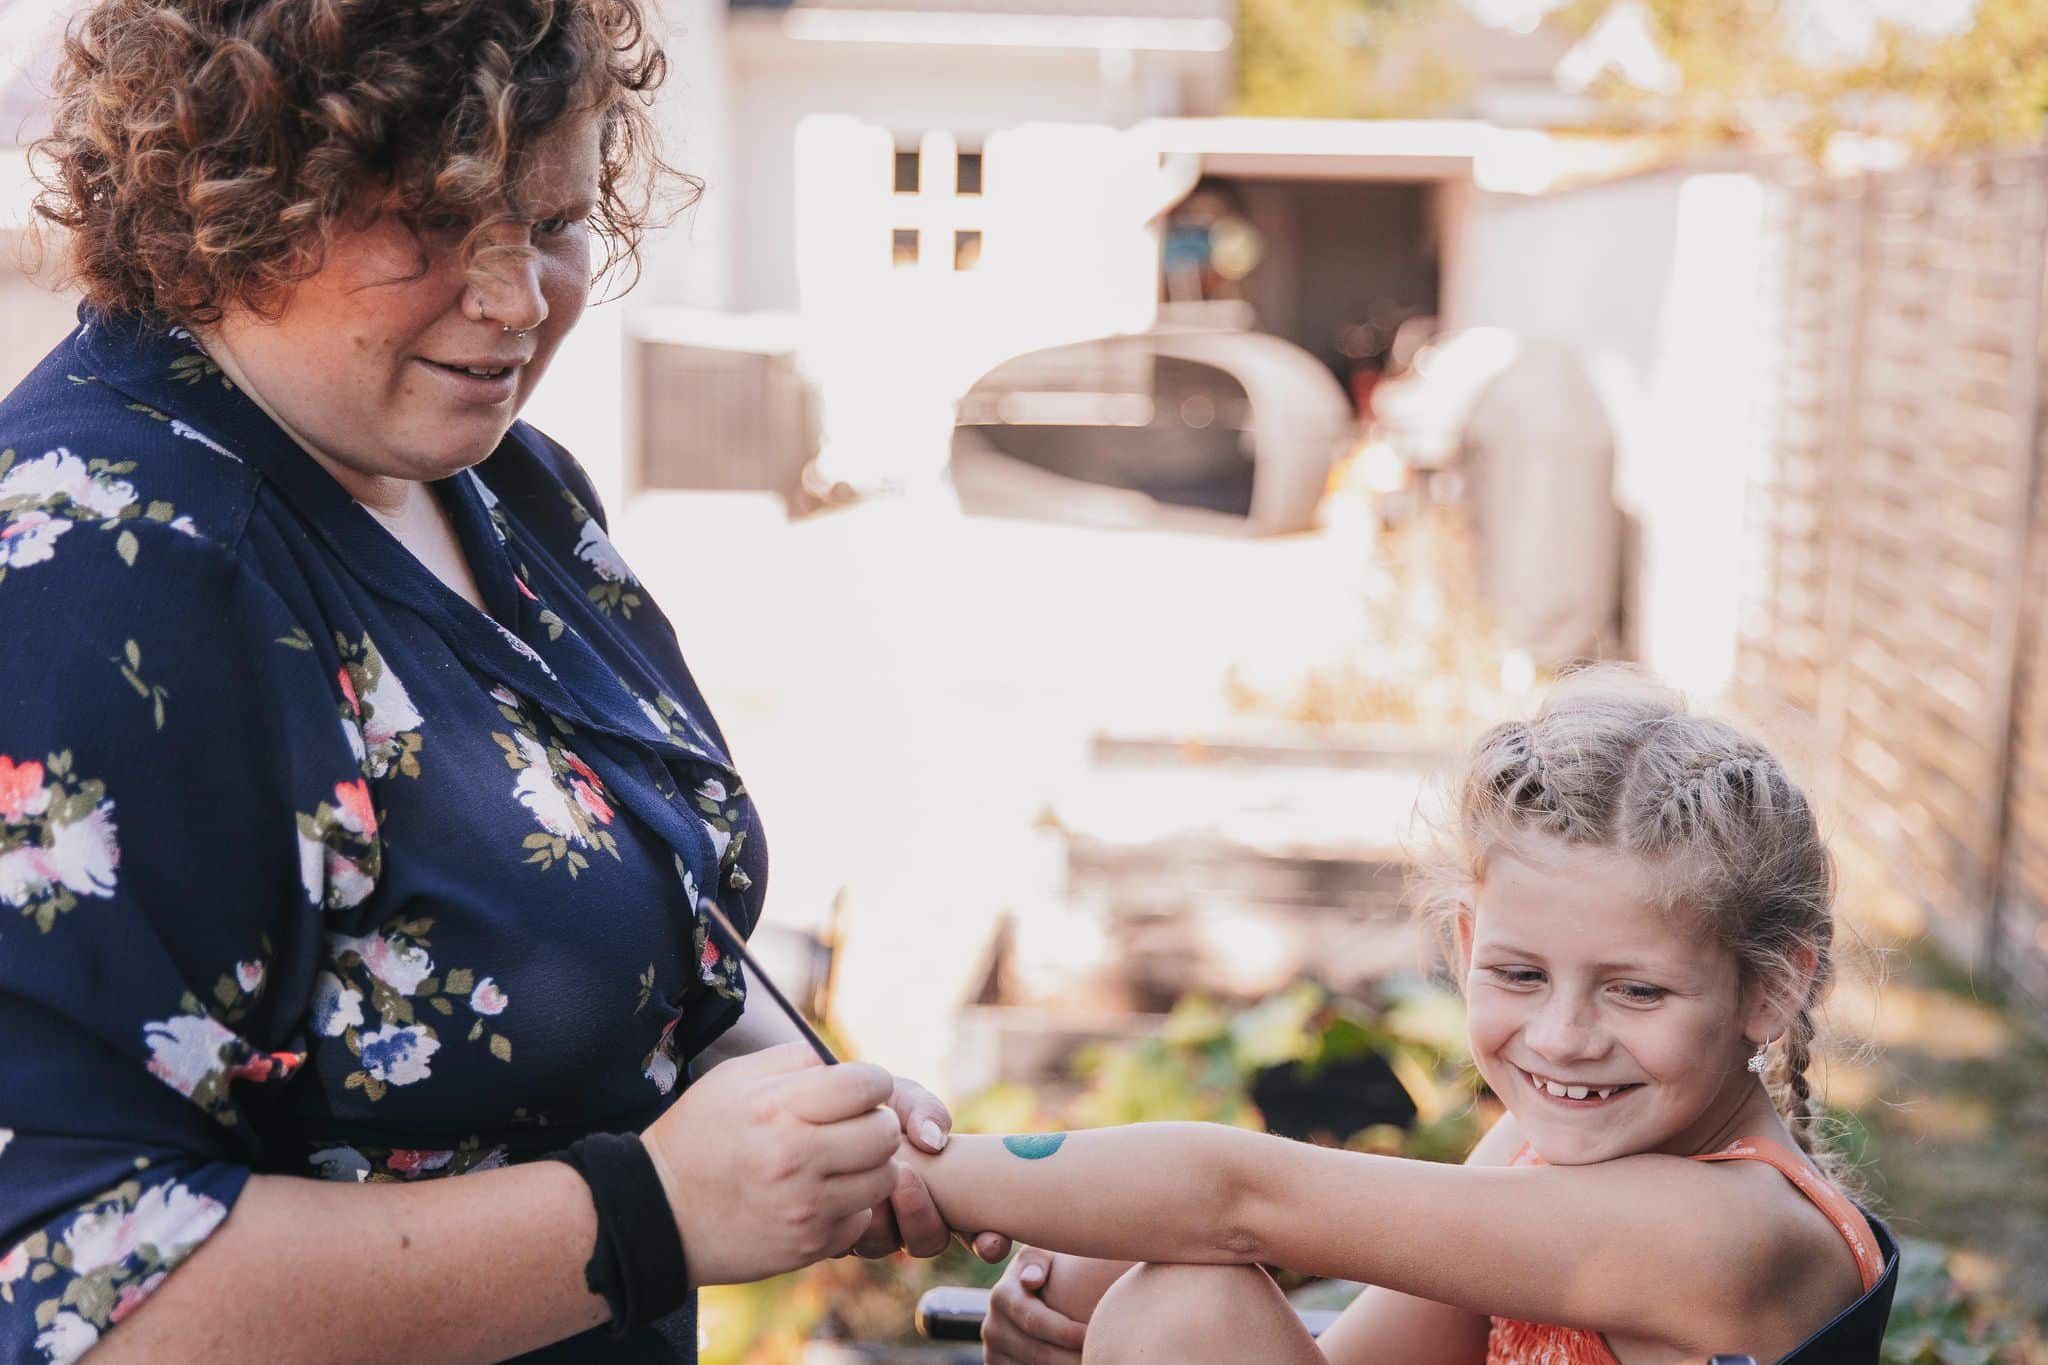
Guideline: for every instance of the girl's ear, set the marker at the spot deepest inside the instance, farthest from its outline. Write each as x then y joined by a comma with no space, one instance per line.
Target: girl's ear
1767,1014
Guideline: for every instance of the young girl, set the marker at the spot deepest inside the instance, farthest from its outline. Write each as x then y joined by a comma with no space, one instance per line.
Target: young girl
1640,905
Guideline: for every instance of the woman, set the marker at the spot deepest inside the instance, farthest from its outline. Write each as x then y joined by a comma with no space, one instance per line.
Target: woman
356,808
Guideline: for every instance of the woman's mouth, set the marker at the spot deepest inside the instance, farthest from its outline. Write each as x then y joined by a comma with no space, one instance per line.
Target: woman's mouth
1576,1094
477,383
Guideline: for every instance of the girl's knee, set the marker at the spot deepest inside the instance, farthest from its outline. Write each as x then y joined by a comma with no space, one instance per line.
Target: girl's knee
1185,1313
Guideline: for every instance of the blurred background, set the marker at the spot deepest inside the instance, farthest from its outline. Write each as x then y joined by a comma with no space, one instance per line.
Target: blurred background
1160,433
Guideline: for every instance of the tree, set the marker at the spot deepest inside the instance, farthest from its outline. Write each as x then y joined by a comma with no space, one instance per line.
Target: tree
1331,59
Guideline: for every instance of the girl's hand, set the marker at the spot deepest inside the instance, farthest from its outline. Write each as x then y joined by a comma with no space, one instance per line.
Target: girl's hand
1038,1313
773,1160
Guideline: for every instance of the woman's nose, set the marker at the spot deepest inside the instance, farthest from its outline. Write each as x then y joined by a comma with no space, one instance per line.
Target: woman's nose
506,283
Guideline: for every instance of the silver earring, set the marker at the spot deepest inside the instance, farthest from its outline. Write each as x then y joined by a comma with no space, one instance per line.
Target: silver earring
1757,1062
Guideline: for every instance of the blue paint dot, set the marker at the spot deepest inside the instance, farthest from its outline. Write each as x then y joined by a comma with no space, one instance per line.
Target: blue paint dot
1032,1146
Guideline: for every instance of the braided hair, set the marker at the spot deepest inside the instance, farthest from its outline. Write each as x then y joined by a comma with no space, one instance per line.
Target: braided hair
1612,761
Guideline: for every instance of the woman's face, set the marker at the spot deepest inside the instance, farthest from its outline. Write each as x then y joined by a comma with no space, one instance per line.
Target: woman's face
1576,980
369,363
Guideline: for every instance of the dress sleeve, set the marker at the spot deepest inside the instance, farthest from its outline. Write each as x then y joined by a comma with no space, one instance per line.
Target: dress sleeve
177,797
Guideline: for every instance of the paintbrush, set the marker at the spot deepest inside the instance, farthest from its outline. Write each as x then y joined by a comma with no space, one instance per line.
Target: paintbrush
767,983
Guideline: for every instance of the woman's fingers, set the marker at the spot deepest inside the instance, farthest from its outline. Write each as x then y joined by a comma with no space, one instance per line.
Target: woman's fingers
827,1094
839,1195
846,1232
926,1122
862,1143
918,1223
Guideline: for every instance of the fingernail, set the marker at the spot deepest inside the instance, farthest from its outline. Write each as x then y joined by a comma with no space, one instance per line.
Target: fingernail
933,1138
1032,1274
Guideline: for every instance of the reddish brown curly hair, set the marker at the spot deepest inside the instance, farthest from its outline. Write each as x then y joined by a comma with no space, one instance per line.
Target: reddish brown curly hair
202,152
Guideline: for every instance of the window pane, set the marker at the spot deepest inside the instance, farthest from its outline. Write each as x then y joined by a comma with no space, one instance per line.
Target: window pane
906,172
903,247
966,250
970,173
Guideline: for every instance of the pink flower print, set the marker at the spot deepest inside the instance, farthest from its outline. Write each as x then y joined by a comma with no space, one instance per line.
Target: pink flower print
358,816
579,767
593,805
30,538
348,690
487,998
249,976
264,1066
14,1264
132,1295
712,790
410,1161
22,792
524,591
711,958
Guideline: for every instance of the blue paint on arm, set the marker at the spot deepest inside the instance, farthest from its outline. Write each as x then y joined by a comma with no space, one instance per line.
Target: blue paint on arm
1033,1146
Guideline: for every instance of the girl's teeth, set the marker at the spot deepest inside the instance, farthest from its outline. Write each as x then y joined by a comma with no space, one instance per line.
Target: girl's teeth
1575,1092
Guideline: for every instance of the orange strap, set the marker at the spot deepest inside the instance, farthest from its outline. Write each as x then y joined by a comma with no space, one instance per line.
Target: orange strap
1847,1218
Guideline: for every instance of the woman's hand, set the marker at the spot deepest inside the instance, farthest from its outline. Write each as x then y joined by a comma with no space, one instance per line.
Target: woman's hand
1039,1311
773,1160
908,1219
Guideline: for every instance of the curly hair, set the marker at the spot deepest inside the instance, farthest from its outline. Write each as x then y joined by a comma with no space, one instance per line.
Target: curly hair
203,152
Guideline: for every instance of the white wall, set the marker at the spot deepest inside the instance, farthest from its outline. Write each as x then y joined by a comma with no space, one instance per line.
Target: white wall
1656,280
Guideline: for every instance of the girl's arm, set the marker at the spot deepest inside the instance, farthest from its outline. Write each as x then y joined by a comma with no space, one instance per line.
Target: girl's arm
1648,1245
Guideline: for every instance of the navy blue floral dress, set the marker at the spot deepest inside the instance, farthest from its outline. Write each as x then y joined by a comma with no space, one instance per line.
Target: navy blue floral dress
307,866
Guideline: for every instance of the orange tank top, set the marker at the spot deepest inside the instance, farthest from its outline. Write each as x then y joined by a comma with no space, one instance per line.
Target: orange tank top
1511,1342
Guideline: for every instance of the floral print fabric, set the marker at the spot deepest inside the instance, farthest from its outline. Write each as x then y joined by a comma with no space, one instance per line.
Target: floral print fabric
306,865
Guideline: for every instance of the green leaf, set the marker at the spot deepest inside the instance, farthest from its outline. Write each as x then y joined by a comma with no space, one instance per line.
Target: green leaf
501,1047
160,511
159,708
46,1313
133,652
461,981
125,546
537,840
440,1002
226,991
141,687
43,1271
476,1030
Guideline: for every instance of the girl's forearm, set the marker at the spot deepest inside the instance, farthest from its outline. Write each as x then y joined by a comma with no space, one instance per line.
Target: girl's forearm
1149,1191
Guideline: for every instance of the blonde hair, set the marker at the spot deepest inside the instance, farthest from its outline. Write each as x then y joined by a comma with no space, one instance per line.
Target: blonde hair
1612,761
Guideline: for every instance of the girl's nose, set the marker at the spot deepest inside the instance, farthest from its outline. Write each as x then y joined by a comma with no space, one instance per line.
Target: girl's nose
1564,1030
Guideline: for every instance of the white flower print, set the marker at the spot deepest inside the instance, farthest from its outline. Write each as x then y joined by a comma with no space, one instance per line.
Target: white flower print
68,1337
184,1050
387,713
595,548
24,875
487,998
398,1056
30,537
337,1007
60,473
353,733
312,864
712,790
347,884
654,717
540,793
401,966
249,976
84,853
524,649
184,526
661,1069
167,1217
194,434
6,1137
719,839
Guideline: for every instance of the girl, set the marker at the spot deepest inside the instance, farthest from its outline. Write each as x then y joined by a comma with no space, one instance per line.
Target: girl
1640,905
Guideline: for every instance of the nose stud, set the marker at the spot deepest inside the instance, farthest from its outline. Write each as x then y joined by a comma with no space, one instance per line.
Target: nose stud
521,333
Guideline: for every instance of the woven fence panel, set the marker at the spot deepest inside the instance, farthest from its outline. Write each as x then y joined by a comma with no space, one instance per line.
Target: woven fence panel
1900,513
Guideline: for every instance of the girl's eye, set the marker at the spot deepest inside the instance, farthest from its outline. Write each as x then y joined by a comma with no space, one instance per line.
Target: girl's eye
1516,976
553,227
1638,994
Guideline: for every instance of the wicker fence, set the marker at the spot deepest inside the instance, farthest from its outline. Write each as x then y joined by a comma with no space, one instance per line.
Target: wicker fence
1903,532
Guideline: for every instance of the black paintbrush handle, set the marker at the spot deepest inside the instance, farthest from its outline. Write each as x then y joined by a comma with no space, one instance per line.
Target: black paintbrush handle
767,983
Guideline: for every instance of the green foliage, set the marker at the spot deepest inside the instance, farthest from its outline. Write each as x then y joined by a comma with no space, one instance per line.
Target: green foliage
1338,59
1984,86
1935,1322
